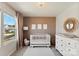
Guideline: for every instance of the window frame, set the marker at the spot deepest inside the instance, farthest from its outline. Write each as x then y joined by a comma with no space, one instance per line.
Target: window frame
2,28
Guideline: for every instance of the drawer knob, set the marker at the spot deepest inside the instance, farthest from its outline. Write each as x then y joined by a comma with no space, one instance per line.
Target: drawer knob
62,50
61,44
61,40
68,43
69,49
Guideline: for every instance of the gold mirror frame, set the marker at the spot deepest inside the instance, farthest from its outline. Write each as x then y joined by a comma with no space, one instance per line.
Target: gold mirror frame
70,21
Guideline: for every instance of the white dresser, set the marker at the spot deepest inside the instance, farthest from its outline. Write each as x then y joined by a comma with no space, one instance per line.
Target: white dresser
67,46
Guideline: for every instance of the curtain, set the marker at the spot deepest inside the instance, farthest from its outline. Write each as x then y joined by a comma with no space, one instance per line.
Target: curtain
19,30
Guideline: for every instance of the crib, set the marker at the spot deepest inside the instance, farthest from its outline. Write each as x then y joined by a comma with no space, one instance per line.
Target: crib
40,40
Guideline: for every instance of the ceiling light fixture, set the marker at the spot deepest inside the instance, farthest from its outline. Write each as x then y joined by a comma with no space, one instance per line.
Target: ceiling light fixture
41,5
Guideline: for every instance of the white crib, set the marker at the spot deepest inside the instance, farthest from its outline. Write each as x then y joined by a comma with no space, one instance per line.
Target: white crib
40,40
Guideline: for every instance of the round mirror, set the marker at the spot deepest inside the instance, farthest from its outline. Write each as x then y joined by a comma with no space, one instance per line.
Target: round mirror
70,25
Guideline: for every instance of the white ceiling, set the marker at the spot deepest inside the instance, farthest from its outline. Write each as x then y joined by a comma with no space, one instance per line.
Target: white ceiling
29,8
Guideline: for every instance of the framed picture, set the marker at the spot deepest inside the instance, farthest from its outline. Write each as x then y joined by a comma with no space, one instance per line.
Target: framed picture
39,26
33,26
25,28
45,26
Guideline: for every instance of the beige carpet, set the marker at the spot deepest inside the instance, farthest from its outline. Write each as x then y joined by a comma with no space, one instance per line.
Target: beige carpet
38,51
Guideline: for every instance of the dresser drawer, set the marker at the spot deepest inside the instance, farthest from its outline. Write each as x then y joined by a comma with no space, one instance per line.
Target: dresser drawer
72,52
71,43
67,46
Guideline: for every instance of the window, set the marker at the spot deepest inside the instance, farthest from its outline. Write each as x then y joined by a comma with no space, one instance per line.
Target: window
9,24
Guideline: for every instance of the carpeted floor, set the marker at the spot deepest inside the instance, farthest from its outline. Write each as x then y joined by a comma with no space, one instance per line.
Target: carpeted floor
37,51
